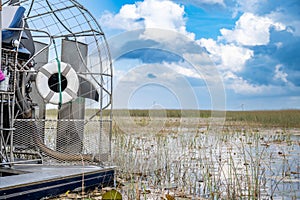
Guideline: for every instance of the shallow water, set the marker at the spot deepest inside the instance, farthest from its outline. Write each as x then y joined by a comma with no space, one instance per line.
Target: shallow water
194,161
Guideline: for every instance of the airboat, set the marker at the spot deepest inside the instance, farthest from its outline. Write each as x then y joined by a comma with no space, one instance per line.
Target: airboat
55,99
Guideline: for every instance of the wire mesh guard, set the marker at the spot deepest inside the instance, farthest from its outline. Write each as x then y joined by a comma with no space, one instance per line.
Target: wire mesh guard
62,141
54,130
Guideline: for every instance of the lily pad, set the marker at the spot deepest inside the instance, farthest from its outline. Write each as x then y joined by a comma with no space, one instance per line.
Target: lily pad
112,195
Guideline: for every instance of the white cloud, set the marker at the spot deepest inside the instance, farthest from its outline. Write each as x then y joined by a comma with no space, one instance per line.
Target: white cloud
278,44
184,69
281,13
229,52
201,2
241,86
292,23
163,14
280,74
172,39
227,56
124,20
252,6
251,30
181,69
221,2
231,59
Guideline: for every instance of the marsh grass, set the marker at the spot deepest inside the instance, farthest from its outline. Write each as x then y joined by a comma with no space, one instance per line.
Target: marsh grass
274,118
254,155
268,118
188,160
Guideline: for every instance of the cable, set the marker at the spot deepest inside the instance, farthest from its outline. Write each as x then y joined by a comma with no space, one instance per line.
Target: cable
59,76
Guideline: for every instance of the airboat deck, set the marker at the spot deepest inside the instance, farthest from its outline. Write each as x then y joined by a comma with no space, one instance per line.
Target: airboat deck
40,181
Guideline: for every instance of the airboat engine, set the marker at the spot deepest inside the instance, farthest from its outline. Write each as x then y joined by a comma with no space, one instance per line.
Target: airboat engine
58,81
68,92
55,84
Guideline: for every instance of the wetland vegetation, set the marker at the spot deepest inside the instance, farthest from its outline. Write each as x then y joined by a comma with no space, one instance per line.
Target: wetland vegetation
170,155
250,155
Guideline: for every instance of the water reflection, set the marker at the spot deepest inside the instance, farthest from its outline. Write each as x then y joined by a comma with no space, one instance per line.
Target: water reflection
194,162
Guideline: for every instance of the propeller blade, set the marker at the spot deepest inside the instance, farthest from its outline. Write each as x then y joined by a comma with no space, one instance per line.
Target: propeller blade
87,89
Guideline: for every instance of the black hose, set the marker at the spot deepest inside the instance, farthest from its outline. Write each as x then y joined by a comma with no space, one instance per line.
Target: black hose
27,114
25,108
58,155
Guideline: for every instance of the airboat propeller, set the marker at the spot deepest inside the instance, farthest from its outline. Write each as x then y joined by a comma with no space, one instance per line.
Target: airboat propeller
54,53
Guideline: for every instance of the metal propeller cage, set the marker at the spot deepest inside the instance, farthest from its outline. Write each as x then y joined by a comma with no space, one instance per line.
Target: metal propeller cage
34,130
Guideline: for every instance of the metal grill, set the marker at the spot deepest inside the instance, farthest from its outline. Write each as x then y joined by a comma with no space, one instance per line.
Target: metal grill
63,141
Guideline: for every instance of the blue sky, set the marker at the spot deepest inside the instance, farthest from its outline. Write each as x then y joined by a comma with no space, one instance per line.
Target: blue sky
207,54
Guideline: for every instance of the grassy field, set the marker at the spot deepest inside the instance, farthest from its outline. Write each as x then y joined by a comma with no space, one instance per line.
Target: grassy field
255,155
268,118
275,118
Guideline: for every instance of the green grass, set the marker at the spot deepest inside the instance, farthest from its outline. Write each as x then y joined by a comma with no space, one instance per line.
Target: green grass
269,118
274,118
169,113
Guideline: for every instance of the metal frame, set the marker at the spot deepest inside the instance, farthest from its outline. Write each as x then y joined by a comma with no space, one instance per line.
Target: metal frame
9,99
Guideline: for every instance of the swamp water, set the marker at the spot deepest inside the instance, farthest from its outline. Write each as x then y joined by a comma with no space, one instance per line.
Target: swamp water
188,160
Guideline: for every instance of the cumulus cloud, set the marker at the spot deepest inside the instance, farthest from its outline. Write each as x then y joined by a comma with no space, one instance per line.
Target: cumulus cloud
181,69
126,19
227,56
221,2
285,17
284,12
251,30
241,86
252,6
201,2
280,74
146,14
234,51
